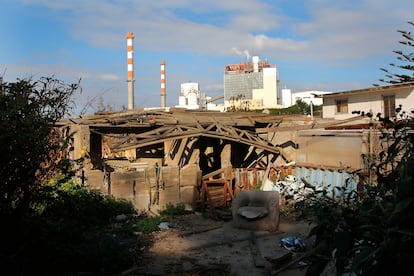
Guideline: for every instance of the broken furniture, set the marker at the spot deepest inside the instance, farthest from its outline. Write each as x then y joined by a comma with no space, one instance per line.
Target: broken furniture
256,210
213,200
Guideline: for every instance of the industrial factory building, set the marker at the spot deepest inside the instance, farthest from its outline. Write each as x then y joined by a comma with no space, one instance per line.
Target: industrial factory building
191,97
247,86
250,85
311,97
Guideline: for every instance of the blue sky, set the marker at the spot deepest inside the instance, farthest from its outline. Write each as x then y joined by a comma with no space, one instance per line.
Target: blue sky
329,45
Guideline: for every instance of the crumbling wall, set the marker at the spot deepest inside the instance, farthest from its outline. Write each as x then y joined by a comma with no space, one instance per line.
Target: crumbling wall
331,148
175,186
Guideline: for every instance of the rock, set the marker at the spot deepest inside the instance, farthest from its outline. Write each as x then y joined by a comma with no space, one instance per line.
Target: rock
121,218
164,226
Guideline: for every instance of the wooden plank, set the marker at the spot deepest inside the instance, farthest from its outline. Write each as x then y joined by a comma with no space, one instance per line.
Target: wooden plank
259,260
216,172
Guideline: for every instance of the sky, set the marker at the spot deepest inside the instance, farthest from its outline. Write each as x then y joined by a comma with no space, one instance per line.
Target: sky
324,45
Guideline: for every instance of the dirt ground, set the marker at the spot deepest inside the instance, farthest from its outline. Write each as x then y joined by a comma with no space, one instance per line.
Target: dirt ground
195,245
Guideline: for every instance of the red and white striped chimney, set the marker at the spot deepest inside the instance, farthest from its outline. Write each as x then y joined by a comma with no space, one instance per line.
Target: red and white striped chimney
130,55
163,88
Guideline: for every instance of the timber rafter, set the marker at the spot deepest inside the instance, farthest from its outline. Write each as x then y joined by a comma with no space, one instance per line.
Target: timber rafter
212,130
134,129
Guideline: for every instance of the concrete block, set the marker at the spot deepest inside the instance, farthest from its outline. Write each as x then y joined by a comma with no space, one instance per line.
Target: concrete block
95,180
189,196
169,195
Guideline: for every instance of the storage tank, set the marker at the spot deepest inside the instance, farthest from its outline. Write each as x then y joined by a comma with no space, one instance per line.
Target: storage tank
188,86
181,101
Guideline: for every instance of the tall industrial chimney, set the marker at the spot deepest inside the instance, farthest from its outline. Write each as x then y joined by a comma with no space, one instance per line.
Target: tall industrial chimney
255,60
163,88
130,47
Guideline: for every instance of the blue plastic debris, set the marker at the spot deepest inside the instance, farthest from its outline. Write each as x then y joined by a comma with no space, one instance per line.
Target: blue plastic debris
293,243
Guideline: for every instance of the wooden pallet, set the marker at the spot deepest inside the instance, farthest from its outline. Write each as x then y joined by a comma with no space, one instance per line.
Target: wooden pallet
215,193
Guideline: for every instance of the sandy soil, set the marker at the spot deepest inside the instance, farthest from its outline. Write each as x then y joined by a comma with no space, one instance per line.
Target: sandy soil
194,245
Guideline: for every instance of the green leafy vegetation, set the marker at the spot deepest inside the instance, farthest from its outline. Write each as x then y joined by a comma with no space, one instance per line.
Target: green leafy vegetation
149,224
172,210
50,224
300,107
70,226
29,145
405,70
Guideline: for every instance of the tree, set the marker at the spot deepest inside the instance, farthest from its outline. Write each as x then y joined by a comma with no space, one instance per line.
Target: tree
29,143
407,60
51,225
302,106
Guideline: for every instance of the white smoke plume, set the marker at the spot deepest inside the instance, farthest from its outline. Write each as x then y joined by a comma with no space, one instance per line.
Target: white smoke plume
241,53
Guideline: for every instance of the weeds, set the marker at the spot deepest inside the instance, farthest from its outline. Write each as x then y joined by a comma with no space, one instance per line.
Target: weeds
174,211
149,224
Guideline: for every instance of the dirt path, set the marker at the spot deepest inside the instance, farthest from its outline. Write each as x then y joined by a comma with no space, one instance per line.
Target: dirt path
194,245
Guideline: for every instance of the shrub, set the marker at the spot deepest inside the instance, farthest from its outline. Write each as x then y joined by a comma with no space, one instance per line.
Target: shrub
172,210
149,224
68,231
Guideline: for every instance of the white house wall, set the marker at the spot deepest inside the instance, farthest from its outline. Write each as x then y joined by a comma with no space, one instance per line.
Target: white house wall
367,102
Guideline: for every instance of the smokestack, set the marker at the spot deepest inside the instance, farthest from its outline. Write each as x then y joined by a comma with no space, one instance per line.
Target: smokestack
163,100
255,63
130,55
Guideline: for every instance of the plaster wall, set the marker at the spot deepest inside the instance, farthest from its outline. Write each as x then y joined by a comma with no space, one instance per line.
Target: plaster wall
367,102
331,150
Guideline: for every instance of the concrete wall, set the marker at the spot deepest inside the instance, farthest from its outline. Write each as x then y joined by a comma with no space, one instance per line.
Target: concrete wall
81,141
139,187
331,148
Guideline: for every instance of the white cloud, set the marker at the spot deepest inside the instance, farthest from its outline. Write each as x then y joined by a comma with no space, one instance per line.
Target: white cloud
110,77
320,32
334,29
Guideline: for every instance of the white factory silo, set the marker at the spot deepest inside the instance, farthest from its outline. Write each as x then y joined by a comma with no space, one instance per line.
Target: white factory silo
189,95
192,98
182,100
286,97
188,87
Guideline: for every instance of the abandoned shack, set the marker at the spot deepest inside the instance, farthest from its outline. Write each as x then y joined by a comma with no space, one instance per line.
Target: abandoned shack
203,159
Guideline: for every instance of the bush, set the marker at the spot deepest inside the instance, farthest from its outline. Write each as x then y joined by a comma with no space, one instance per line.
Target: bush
149,224
59,227
172,210
68,231
31,149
